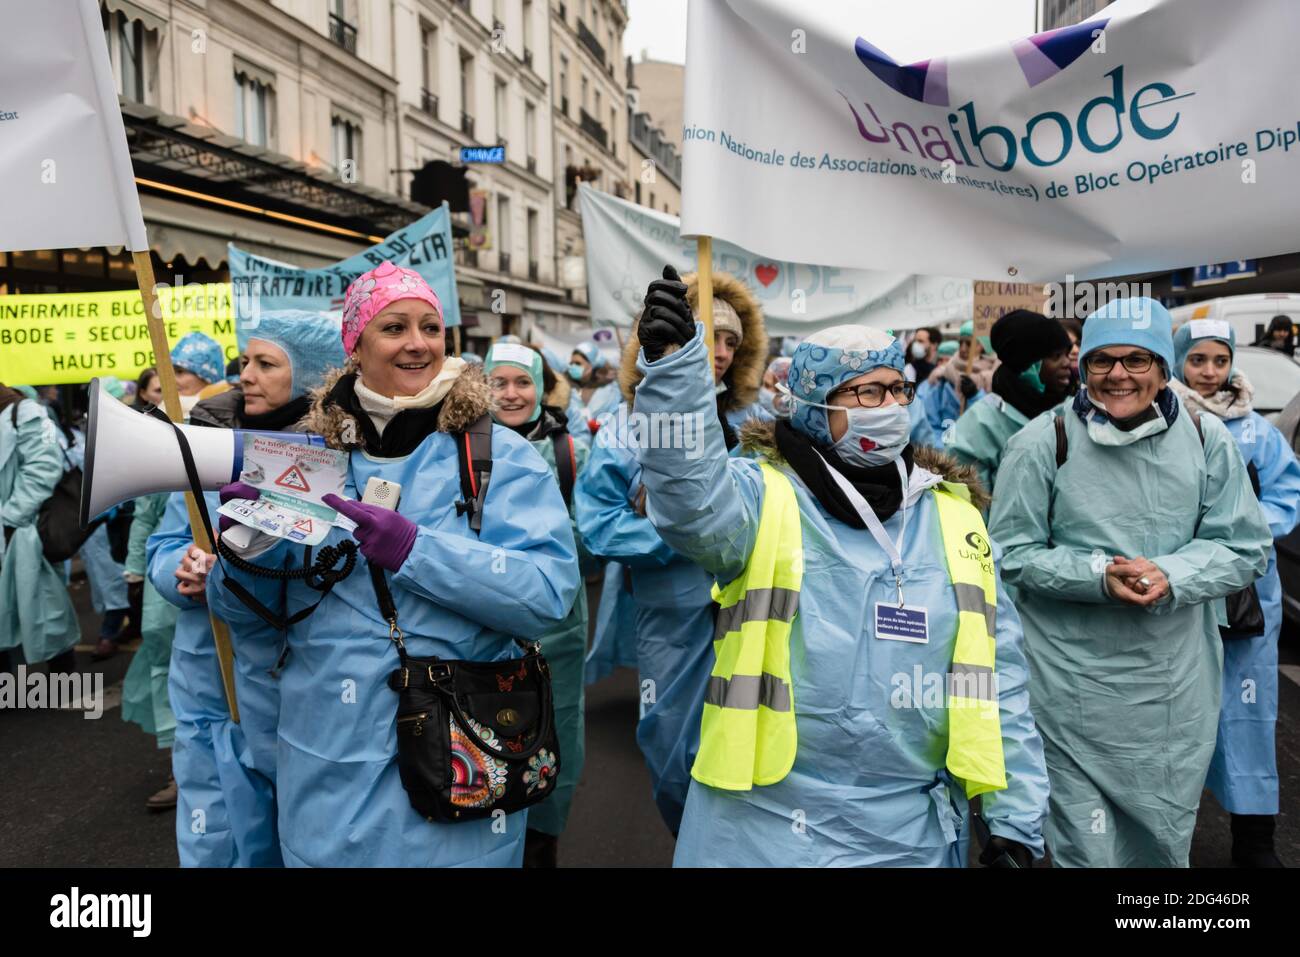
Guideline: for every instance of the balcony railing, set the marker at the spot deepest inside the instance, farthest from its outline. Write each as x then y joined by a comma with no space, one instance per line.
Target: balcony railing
466,124
429,103
532,269
343,33
588,39
593,128
532,164
466,256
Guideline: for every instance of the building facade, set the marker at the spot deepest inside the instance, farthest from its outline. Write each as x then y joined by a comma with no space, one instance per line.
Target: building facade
654,155
1053,14
589,100
294,128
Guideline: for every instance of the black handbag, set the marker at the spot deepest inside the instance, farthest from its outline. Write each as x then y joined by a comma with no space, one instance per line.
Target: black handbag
473,737
58,523
1245,614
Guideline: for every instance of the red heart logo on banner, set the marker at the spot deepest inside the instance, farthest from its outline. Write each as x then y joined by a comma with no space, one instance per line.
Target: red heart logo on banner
766,273
867,444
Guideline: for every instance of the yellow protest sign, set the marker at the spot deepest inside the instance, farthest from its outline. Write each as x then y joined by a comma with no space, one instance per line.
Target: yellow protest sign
64,338
993,300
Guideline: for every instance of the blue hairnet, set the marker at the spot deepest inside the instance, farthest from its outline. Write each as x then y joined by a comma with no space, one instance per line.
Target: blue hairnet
825,361
200,355
1197,331
310,340
1138,321
591,352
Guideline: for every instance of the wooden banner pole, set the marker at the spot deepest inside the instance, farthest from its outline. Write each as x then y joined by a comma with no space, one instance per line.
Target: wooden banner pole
704,272
172,406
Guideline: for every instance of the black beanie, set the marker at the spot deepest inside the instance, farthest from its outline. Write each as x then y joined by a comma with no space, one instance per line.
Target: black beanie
1021,338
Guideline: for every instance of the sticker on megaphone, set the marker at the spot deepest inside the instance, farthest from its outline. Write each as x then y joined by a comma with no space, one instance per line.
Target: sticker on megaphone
292,479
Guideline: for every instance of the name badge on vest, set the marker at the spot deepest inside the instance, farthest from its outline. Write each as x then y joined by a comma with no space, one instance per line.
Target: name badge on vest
908,623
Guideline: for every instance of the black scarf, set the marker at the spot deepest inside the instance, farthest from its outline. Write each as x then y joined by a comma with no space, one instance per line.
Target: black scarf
1021,396
553,419
878,484
282,419
404,432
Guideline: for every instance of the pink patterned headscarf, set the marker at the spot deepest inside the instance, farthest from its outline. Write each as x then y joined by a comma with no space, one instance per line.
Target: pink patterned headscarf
371,292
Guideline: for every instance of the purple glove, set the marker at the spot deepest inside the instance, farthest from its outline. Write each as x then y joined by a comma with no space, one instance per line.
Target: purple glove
234,490
386,538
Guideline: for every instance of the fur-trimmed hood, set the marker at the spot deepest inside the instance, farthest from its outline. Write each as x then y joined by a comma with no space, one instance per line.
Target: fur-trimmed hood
745,376
759,437
469,398
559,396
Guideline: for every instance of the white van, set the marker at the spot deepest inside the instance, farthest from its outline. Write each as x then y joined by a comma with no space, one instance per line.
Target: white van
1249,316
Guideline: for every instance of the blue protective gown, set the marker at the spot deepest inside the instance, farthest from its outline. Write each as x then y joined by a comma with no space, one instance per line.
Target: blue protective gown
613,645
605,399
1126,697
922,433
225,811
106,577
36,612
458,596
674,618
869,784
942,404
1243,771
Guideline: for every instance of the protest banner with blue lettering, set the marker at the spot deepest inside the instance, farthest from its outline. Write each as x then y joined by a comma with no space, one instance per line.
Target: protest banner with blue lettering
259,283
629,245
1155,135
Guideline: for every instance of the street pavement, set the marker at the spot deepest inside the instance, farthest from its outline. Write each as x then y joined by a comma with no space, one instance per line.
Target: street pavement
73,790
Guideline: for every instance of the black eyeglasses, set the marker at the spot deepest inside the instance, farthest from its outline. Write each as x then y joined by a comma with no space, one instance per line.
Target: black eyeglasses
869,395
1099,363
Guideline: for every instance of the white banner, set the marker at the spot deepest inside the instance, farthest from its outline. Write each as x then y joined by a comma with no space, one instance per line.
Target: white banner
65,171
1158,134
629,245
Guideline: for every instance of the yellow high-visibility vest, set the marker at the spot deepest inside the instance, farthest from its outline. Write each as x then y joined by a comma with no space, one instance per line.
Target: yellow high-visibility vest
748,733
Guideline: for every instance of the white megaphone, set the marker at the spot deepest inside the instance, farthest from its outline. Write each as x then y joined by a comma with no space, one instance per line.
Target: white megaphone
129,454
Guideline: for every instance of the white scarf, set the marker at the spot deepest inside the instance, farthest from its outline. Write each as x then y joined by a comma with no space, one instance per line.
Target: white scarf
382,408
1226,404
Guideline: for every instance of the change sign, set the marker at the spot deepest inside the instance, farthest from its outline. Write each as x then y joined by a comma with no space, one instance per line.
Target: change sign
73,337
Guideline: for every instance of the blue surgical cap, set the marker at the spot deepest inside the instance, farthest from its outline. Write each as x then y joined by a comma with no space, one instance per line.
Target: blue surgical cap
825,361
200,355
1138,321
1197,331
310,339
591,352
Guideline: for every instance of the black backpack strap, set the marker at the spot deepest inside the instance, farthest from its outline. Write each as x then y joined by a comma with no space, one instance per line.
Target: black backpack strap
1062,443
474,450
566,465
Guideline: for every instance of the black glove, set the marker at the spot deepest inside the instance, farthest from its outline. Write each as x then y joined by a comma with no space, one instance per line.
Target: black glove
968,388
666,319
1000,852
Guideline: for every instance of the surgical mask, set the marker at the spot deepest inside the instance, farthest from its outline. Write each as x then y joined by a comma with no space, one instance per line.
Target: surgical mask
1031,377
1103,431
874,436
575,372
918,350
